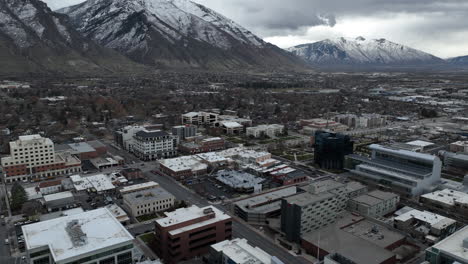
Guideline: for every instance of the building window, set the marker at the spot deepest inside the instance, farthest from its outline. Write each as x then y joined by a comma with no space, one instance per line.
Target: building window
110,260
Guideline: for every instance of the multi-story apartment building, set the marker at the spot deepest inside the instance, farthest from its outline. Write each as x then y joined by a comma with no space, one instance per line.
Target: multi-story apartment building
91,237
147,202
200,118
124,136
189,232
361,121
185,131
33,157
265,130
312,210
152,145
406,172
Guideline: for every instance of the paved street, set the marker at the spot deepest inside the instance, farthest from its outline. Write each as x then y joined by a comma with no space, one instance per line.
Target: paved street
240,229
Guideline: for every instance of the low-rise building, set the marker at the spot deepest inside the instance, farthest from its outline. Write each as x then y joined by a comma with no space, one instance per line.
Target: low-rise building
239,251
189,232
453,249
148,201
59,200
425,225
459,146
132,173
183,167
203,145
354,239
200,118
91,237
374,204
265,130
138,187
118,213
240,181
98,183
50,187
231,127
258,208
449,200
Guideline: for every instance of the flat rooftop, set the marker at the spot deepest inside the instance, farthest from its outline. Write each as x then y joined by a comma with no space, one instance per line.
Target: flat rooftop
448,197
145,196
136,187
101,228
306,198
453,245
182,215
184,163
266,202
58,196
361,242
426,217
239,251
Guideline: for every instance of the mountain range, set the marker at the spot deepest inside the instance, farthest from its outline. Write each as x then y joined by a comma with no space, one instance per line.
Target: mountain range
108,36
361,51
35,39
174,33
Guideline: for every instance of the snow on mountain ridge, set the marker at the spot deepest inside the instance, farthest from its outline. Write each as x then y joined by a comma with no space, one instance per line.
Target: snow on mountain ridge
360,51
175,19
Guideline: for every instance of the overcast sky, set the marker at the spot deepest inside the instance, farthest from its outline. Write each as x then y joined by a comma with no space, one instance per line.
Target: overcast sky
439,27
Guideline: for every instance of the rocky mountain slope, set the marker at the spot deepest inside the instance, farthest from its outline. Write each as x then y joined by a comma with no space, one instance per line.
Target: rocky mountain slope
35,39
174,33
361,51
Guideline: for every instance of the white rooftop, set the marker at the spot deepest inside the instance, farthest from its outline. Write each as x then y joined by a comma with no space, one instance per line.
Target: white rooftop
182,215
184,163
29,137
99,182
231,124
58,196
101,228
239,251
453,245
420,143
448,197
137,187
424,216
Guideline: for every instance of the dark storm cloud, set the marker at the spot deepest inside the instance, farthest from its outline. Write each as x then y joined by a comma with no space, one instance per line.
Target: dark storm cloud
271,17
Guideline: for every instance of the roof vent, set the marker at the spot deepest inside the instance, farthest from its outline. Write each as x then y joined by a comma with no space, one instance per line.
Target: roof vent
76,234
465,243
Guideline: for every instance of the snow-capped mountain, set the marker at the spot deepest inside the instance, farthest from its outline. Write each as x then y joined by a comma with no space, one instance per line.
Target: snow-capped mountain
33,38
361,51
460,61
172,32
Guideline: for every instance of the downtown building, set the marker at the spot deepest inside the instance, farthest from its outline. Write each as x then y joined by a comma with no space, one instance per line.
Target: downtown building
405,172
185,131
92,237
152,145
33,157
189,232
330,149
239,251
311,210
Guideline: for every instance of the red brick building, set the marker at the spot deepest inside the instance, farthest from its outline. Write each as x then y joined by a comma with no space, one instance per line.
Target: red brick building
189,232
202,146
132,173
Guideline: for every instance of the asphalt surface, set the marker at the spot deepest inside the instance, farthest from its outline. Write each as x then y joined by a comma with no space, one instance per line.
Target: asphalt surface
240,229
